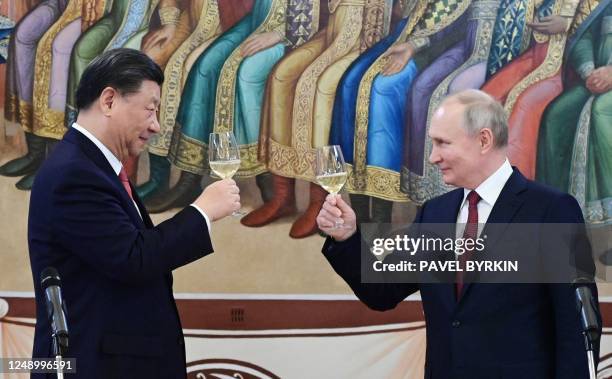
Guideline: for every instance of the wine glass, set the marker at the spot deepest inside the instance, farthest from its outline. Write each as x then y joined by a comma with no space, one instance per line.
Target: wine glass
224,157
330,171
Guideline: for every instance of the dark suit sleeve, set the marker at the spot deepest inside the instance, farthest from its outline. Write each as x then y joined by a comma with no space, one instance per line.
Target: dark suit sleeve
571,359
351,257
89,221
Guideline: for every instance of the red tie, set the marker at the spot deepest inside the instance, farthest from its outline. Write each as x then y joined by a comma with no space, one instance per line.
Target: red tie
471,231
125,181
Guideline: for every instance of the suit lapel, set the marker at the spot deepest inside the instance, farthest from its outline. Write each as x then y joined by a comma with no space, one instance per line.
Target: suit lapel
503,212
506,206
449,219
143,211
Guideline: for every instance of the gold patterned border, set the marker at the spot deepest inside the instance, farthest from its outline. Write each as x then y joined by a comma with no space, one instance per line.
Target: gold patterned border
379,182
93,10
11,107
24,115
316,16
585,7
530,8
598,211
226,87
206,31
191,155
375,25
305,93
55,120
289,162
187,153
580,153
47,122
419,189
549,67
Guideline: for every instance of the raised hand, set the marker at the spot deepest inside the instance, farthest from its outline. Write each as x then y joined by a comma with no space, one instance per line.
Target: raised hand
219,199
335,208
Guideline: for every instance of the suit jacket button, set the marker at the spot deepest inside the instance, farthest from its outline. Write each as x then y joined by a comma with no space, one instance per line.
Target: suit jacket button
456,324
181,341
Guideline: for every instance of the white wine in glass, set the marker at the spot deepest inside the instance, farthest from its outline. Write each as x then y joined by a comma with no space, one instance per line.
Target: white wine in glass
330,171
224,157
332,183
225,169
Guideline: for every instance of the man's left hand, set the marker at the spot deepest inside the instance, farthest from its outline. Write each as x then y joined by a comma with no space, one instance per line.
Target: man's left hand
550,25
259,42
160,37
398,57
600,80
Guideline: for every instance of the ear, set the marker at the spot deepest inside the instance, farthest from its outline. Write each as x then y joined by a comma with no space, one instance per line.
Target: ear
107,100
485,138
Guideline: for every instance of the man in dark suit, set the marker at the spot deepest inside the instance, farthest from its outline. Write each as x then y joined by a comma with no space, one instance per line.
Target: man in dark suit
87,222
478,330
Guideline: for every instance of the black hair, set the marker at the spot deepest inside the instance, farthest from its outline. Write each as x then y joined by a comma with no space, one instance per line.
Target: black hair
122,69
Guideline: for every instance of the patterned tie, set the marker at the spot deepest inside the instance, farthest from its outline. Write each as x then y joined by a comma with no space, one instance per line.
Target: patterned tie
471,231
125,181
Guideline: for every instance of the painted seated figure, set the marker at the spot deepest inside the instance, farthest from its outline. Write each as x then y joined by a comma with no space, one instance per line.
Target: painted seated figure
224,92
370,108
20,82
204,20
575,139
297,112
530,82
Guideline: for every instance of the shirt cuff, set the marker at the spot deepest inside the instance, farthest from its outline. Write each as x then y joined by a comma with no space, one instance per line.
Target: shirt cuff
203,215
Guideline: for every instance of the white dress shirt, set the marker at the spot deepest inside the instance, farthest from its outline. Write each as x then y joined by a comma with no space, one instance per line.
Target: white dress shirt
488,191
117,165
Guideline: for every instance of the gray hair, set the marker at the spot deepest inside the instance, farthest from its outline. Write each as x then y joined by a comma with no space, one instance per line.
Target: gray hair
483,111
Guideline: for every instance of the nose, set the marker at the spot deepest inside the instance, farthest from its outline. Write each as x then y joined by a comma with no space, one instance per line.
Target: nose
434,157
155,128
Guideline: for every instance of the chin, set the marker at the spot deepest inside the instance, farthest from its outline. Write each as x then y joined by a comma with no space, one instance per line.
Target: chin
448,180
135,152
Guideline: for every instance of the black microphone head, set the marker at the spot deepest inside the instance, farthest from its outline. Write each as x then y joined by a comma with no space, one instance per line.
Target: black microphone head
587,308
49,277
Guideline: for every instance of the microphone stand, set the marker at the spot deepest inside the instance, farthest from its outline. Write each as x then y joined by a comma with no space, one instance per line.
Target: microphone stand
589,350
588,311
60,345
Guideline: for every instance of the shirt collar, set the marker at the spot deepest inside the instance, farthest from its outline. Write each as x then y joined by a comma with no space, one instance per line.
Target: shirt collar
490,189
110,157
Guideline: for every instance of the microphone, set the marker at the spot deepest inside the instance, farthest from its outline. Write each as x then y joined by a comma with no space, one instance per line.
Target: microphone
56,309
585,304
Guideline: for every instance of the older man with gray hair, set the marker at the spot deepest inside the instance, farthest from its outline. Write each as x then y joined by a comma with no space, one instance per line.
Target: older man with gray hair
478,330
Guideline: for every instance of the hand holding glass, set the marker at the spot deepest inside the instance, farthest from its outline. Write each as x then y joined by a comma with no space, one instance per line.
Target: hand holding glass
330,171
224,157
